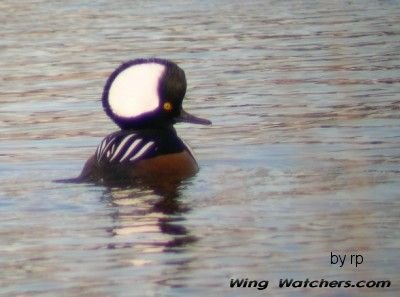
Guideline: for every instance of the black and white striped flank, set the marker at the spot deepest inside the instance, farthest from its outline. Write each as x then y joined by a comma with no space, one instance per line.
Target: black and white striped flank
117,148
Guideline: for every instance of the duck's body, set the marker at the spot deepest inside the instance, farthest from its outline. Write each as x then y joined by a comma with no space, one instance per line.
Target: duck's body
147,154
144,98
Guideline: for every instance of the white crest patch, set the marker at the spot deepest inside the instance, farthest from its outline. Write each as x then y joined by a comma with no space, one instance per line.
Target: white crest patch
135,90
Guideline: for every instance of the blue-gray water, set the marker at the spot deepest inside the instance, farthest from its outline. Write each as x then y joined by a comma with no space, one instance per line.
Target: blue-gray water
302,159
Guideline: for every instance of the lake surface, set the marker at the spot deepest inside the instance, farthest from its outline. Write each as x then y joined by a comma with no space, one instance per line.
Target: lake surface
302,158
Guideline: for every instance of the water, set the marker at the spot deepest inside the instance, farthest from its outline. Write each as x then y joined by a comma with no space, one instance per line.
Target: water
302,159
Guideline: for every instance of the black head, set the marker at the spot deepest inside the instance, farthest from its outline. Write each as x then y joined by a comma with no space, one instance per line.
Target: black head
147,93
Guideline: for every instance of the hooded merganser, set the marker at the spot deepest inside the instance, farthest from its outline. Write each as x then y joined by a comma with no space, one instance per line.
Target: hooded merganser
144,98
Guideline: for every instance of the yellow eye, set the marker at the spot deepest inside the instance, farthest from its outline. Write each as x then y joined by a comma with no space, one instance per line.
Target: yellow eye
167,106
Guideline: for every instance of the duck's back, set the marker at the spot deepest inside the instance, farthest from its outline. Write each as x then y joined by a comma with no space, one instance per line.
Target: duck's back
148,154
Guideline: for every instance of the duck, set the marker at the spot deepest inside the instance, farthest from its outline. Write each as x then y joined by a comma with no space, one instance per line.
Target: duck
143,97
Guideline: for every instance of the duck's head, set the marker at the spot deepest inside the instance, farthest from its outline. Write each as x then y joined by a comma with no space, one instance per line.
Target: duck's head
147,93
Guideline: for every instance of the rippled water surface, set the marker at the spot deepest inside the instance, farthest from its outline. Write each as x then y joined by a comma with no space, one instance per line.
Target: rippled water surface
302,159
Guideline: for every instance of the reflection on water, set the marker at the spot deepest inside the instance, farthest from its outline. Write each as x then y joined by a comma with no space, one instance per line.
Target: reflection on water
148,212
302,158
